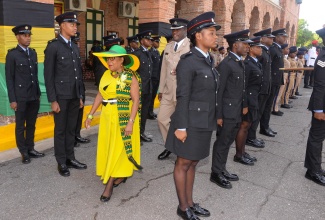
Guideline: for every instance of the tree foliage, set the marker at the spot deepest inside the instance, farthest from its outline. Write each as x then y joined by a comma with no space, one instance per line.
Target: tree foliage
305,36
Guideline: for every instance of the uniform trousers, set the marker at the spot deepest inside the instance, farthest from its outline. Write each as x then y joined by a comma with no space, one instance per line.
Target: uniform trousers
309,78
166,109
145,103
288,89
65,128
262,99
315,140
79,120
297,82
226,136
155,85
265,119
26,116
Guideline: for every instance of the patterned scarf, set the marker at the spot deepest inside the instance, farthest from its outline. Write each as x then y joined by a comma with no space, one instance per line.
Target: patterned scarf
123,88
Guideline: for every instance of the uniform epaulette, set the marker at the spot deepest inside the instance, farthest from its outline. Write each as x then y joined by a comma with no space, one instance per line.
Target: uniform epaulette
186,54
11,49
32,49
53,40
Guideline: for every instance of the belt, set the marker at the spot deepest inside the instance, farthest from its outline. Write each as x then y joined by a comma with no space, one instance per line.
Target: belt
110,101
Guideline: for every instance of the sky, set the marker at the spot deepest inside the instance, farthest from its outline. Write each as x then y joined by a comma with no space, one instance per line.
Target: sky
313,12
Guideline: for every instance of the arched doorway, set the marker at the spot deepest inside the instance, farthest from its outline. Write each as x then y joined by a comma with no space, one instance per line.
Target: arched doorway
238,16
254,21
266,21
276,24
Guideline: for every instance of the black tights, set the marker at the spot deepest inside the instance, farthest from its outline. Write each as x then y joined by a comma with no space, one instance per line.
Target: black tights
241,138
108,191
184,175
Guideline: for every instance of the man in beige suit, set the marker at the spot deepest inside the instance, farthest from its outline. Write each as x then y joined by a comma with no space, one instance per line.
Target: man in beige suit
167,85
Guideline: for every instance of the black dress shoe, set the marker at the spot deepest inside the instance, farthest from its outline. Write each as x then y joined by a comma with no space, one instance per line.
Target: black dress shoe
285,106
145,138
76,144
278,113
63,170
270,129
35,154
293,97
82,140
290,101
220,180
254,143
123,181
261,140
250,157
243,160
76,164
308,87
230,176
198,210
188,214
316,177
267,132
104,198
298,94
25,159
165,154
152,116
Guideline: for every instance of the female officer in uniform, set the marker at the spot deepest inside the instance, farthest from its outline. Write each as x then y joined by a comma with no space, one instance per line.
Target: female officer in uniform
194,118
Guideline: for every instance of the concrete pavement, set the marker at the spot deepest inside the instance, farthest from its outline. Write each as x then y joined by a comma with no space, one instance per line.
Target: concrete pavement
275,188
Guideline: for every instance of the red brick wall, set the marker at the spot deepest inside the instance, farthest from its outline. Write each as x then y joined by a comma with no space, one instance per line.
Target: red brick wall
156,10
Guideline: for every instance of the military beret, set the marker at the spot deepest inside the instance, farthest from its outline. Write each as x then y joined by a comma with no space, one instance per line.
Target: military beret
144,34
241,36
202,21
156,38
264,33
314,42
302,49
280,32
111,42
22,29
132,39
109,37
256,41
67,17
300,52
293,49
284,46
178,23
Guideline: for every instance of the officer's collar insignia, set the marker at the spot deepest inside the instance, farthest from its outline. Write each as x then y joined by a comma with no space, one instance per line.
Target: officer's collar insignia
26,27
321,63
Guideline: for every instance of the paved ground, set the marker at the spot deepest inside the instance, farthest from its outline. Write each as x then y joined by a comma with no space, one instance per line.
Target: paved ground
275,188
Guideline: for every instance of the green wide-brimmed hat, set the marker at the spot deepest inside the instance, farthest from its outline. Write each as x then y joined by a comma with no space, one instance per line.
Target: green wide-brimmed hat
130,61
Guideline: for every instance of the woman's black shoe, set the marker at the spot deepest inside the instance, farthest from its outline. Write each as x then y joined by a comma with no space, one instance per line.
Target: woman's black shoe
104,198
164,155
123,181
243,160
188,214
250,157
198,210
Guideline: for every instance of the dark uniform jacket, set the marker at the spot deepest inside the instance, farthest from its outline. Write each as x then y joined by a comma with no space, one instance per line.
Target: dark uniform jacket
22,75
317,98
145,69
277,62
155,57
197,82
231,92
265,60
253,81
62,70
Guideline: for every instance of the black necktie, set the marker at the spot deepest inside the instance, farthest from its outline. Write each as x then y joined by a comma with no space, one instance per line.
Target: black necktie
69,43
26,51
175,48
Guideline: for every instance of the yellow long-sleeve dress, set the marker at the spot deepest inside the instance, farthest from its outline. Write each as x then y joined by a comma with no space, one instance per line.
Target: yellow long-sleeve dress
112,160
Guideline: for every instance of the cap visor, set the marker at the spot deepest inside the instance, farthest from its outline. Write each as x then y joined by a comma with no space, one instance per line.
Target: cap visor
175,28
247,41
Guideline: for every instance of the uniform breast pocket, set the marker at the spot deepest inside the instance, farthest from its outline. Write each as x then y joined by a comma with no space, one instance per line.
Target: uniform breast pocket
22,66
231,108
64,59
20,89
205,79
199,114
62,85
252,99
238,79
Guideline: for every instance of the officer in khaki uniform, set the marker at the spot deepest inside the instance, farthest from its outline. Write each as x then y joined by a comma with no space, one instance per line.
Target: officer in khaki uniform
23,91
167,85
300,64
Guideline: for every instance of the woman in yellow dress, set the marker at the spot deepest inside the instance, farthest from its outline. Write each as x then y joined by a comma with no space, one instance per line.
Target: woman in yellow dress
118,150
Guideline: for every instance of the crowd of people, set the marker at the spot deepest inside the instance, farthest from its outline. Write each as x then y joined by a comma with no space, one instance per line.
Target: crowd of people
201,88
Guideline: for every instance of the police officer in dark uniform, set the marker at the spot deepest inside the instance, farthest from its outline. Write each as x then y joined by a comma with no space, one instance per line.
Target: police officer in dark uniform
23,91
78,139
64,87
194,119
133,44
231,105
313,159
155,56
145,71
277,80
265,60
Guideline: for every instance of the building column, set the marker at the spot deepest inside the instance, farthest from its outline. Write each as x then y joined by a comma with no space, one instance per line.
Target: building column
189,9
156,10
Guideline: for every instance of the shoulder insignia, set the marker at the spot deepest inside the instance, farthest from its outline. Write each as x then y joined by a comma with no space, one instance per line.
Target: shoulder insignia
53,40
186,54
321,63
32,49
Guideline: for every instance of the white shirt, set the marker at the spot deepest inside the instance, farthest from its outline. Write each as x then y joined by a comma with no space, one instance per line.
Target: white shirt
179,43
312,55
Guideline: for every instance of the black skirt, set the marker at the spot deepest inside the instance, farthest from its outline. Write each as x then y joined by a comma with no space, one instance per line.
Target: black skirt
251,116
195,147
